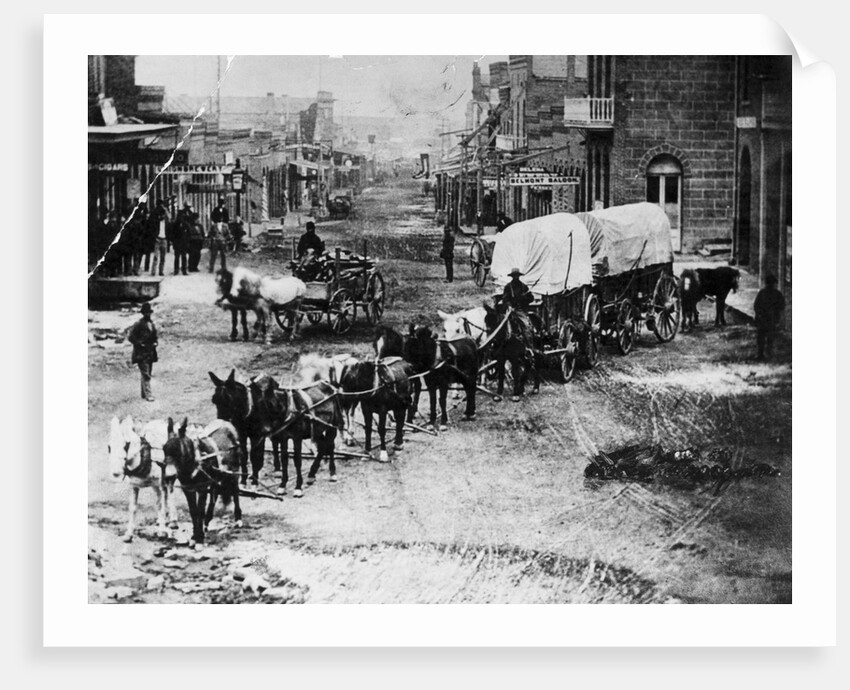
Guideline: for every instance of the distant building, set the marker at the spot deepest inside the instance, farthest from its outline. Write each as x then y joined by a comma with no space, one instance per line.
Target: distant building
707,138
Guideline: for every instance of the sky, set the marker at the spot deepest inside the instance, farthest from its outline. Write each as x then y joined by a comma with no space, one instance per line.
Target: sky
363,85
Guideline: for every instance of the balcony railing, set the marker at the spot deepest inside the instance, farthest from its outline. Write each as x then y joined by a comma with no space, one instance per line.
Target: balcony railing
509,143
589,112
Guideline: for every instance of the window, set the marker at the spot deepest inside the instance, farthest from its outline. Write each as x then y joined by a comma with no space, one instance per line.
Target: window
581,67
664,188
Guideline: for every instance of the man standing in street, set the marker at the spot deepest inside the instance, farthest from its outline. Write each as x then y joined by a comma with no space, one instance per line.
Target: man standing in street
144,339
194,235
447,253
768,308
219,232
160,230
179,238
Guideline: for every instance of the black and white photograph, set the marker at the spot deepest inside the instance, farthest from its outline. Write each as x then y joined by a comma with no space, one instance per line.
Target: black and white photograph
434,328
429,329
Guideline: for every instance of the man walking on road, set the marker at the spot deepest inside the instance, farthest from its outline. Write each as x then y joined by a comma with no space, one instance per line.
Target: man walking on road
768,308
219,232
143,336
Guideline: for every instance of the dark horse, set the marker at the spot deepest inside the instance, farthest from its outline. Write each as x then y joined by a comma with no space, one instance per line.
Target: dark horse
233,404
387,342
298,414
512,339
441,363
696,284
208,466
239,307
380,386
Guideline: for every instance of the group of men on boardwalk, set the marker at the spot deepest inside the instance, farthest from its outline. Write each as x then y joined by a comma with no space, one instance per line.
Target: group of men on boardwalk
144,243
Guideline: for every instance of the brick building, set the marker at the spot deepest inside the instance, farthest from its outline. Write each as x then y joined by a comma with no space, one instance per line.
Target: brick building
762,230
707,138
661,128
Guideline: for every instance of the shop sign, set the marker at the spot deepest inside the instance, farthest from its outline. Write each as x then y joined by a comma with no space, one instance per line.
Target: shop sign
541,180
110,167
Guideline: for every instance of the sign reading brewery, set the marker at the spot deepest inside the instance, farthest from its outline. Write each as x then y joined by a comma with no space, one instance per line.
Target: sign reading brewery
540,179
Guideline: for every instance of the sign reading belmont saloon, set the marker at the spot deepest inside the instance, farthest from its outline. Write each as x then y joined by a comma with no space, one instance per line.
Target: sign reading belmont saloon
541,179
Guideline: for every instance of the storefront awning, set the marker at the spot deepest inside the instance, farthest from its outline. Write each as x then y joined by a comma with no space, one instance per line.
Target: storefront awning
116,134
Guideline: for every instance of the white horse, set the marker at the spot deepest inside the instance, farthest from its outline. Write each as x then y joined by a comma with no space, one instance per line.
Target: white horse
243,286
136,456
313,368
465,324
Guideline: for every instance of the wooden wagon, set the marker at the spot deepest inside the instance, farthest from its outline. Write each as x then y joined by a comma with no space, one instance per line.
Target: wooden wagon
632,254
349,282
553,253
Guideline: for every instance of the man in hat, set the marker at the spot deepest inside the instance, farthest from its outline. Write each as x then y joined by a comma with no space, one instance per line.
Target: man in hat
309,240
194,232
768,308
516,293
179,235
447,250
219,233
159,224
144,339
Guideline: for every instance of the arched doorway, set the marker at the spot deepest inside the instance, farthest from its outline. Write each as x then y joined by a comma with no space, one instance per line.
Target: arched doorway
745,187
664,188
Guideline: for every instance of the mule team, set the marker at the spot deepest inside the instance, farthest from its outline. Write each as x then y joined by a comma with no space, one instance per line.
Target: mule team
211,461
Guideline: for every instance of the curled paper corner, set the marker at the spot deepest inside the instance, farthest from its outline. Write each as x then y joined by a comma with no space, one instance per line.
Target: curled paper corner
787,43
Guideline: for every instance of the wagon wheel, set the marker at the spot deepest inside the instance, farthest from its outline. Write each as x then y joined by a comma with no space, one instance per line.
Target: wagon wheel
568,341
342,310
284,320
593,319
478,262
666,308
627,317
374,302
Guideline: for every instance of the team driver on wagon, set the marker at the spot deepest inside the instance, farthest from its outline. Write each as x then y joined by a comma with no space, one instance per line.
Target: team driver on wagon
518,296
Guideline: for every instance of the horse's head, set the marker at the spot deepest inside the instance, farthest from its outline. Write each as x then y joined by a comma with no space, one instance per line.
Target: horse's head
452,325
420,347
736,277
223,281
267,404
124,447
230,397
179,451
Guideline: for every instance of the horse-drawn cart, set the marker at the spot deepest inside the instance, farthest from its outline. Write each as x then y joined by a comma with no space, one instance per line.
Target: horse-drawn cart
553,253
349,281
480,258
632,254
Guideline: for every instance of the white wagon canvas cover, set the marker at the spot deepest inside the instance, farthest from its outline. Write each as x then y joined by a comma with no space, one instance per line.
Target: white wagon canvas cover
629,237
552,251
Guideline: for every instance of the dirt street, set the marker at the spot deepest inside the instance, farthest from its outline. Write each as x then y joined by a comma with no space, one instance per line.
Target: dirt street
495,510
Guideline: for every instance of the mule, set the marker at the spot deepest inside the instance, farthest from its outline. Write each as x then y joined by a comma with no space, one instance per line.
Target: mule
313,368
137,458
513,340
440,363
206,461
380,386
233,404
298,414
696,284
263,294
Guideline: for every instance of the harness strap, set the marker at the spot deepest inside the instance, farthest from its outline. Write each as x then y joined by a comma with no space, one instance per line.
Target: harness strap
143,470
